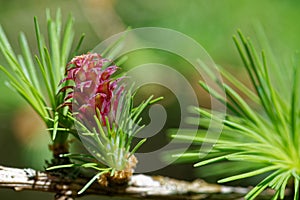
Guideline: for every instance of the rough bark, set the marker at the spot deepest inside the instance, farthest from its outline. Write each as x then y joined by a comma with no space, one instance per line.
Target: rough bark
140,186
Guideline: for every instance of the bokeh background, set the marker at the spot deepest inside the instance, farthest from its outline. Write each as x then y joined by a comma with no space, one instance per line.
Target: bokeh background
23,141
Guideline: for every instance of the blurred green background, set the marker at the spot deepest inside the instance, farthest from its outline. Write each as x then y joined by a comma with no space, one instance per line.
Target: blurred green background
23,143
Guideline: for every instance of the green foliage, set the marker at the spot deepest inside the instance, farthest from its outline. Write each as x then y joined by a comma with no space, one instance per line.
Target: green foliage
113,141
24,71
265,134
110,145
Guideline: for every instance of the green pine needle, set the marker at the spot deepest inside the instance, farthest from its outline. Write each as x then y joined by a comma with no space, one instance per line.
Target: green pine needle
111,143
265,134
23,71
